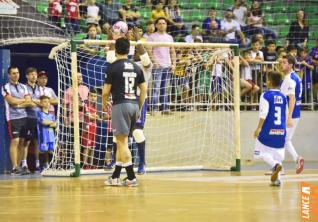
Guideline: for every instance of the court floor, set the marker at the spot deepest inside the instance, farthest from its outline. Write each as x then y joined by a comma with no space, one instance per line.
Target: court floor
175,196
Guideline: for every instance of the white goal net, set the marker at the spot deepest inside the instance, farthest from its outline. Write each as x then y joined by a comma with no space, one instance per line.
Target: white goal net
192,119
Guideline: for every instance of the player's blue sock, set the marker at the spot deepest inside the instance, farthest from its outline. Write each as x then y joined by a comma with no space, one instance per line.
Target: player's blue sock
141,151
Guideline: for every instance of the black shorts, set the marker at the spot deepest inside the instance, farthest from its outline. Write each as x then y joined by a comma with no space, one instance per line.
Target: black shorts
17,128
31,129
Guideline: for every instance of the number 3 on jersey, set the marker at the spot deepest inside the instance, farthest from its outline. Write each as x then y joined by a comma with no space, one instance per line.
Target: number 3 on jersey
278,115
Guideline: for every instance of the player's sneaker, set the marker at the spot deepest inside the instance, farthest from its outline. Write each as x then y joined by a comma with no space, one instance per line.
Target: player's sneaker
37,170
276,171
276,183
300,165
16,171
141,169
268,173
130,183
112,182
25,171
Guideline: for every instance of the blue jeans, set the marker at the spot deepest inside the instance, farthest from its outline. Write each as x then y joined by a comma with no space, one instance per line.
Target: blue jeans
161,77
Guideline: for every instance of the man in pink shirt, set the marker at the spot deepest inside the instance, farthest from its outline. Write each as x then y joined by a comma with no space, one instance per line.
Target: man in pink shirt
164,60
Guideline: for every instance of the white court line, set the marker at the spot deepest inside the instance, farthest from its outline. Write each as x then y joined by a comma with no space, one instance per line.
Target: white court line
245,179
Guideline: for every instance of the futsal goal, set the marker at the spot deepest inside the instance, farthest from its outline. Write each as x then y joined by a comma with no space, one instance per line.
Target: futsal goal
199,128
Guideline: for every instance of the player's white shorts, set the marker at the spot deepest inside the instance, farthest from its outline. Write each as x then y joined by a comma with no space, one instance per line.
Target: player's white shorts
291,131
261,149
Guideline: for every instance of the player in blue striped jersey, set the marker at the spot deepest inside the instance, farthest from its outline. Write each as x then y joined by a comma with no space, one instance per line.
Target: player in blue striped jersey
292,89
271,129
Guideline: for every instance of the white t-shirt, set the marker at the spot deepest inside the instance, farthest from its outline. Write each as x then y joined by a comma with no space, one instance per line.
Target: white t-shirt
240,15
92,11
246,72
190,39
253,55
225,26
217,70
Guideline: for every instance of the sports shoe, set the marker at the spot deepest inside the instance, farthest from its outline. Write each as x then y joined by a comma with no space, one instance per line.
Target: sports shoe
300,165
16,171
25,171
141,169
276,171
268,173
112,182
276,183
130,183
37,170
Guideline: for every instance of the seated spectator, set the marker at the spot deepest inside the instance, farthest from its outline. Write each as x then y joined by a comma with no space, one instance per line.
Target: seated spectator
130,14
195,33
158,12
230,28
255,22
55,12
92,12
72,17
298,31
240,13
175,23
206,25
150,29
110,12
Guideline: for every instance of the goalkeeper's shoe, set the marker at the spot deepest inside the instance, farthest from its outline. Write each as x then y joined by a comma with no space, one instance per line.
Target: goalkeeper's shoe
276,171
130,183
300,165
112,182
276,183
141,169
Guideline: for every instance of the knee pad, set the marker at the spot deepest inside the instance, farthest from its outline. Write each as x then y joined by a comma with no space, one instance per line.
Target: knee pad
138,135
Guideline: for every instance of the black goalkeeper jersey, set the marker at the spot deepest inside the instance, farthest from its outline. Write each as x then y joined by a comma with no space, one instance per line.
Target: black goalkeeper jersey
124,75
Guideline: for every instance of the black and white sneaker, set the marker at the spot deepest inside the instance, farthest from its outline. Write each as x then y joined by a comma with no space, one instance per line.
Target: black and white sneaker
16,172
25,171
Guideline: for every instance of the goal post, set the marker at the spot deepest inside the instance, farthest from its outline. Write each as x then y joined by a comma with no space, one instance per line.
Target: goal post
201,130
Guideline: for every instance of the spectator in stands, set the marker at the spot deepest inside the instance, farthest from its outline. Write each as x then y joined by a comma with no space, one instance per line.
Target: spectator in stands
110,12
255,60
47,91
206,25
270,54
230,28
55,12
92,35
164,60
249,86
150,29
92,12
175,23
72,17
240,13
158,12
255,22
314,55
195,33
306,69
215,33
298,31
130,14
17,99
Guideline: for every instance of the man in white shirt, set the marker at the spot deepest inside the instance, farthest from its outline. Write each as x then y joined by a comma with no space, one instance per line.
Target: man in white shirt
230,27
195,33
